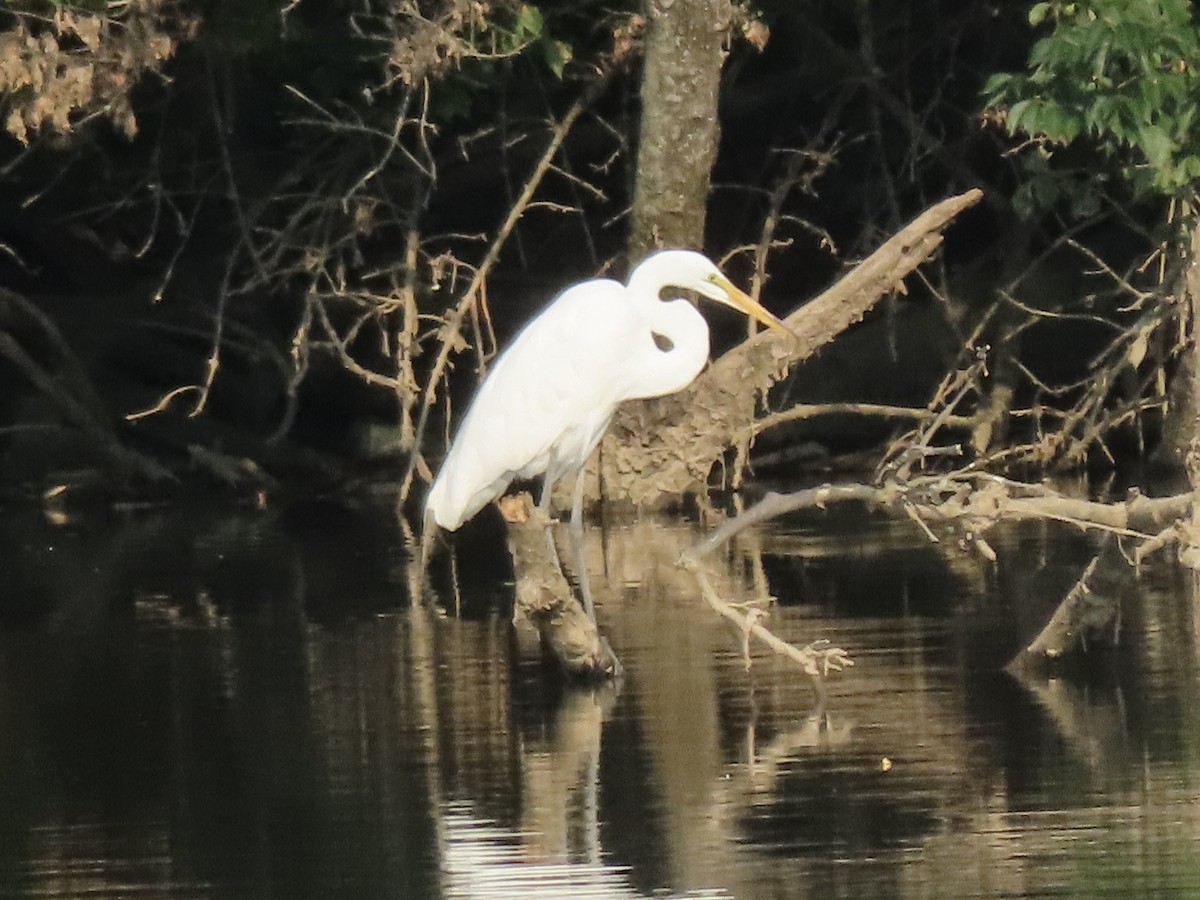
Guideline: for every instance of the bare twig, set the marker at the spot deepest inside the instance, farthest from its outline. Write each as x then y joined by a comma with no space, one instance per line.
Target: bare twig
816,659
774,505
804,411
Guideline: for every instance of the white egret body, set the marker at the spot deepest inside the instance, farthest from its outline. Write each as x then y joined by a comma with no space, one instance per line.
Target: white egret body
549,397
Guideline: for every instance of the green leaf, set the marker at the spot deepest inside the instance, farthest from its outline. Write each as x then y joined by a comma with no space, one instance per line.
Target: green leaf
997,85
1189,169
557,54
1156,144
1085,203
1015,113
529,23
1123,73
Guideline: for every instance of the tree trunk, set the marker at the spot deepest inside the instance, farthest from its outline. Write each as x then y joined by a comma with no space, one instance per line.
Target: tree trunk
1183,396
678,135
1190,553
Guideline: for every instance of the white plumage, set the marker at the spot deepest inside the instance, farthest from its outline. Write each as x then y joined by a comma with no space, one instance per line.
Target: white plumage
550,395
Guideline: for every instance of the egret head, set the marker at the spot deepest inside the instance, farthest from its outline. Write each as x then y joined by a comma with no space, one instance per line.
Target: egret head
696,272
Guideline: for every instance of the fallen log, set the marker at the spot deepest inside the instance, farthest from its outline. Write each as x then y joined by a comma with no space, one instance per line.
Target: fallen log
667,446
1088,619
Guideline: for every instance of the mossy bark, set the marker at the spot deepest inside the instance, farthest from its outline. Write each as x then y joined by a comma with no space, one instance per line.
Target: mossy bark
677,139
1190,554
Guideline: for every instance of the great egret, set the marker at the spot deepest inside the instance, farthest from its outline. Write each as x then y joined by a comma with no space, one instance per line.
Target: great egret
549,397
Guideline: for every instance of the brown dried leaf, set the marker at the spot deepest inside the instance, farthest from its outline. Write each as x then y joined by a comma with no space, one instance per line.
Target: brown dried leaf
88,30
757,34
15,125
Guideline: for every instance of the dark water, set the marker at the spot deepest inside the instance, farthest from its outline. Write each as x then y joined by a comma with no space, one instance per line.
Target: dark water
214,704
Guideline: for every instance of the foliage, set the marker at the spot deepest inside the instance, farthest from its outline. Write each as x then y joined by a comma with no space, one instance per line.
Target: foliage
1121,75
361,168
67,63
427,43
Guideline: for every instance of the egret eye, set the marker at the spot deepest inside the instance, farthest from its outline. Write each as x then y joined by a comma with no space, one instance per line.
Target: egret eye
662,342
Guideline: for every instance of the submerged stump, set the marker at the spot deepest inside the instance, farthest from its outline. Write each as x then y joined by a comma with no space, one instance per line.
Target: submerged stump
544,598
1088,620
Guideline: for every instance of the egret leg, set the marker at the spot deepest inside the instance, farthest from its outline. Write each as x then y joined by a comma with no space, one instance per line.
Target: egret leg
429,531
576,531
544,507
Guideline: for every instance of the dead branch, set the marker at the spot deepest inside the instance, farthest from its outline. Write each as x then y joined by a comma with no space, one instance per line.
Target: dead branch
972,502
644,460
163,403
1136,516
773,505
1125,382
816,659
803,168
969,503
916,447
76,414
1085,619
804,411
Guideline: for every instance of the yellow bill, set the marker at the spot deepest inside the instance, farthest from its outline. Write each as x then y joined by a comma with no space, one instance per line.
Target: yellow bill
747,305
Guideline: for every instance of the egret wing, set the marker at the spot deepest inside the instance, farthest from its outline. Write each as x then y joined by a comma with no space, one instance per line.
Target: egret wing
543,405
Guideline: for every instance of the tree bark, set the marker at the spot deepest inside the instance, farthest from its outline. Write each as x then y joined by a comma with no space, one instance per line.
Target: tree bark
678,135
666,447
1085,621
1190,554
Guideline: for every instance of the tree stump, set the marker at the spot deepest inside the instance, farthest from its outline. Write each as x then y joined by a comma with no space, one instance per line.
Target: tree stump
544,598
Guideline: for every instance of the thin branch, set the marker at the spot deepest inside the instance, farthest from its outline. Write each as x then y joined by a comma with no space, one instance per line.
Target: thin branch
804,411
816,659
773,505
